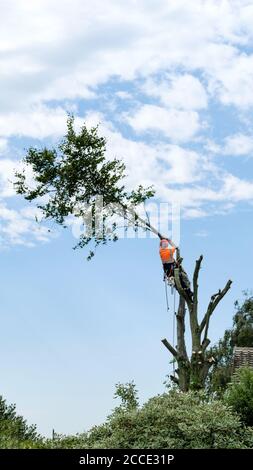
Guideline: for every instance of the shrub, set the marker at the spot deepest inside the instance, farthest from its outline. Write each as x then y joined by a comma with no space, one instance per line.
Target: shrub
14,430
240,394
172,420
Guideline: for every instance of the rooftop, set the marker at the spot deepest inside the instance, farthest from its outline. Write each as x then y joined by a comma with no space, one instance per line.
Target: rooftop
242,357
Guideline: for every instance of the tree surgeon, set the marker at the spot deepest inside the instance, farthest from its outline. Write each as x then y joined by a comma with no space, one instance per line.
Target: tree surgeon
167,250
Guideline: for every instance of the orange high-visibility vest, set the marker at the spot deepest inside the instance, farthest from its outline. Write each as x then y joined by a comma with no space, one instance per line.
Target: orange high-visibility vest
167,253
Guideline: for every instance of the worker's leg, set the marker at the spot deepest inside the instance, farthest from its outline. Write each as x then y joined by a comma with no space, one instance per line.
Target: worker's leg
172,267
169,269
165,268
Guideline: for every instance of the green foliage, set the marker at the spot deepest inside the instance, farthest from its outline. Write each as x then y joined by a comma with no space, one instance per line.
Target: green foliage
239,394
172,420
128,395
242,332
14,430
220,374
60,441
68,180
241,335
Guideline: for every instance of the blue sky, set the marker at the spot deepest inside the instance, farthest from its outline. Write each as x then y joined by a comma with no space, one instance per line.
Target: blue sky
171,84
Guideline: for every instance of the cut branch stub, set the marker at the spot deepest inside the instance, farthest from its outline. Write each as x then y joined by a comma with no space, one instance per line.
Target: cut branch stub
170,348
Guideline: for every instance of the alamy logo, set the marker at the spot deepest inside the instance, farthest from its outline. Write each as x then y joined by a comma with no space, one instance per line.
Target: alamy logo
100,220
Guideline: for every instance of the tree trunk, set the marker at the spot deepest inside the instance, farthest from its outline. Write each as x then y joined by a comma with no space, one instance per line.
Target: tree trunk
192,373
183,370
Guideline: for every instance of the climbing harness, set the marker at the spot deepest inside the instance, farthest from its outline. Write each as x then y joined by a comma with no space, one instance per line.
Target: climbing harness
171,283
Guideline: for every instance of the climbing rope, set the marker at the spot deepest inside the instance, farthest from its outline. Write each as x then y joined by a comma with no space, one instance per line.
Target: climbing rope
166,294
174,328
173,292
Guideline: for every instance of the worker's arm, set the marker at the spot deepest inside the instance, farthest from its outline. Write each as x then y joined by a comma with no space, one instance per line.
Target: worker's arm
169,240
171,243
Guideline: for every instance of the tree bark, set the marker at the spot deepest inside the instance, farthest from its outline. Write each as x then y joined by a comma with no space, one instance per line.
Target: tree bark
183,370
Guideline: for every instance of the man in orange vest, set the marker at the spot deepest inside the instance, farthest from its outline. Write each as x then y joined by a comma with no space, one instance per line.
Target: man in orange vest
167,250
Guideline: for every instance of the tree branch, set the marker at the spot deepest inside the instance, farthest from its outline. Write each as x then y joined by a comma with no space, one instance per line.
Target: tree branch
181,347
195,278
179,259
180,289
215,299
145,222
205,344
170,348
194,312
174,379
146,212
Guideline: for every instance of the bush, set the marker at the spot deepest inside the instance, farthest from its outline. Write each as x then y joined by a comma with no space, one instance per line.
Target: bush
14,430
172,420
240,394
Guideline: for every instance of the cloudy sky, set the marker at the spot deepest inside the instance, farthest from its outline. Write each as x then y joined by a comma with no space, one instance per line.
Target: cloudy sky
171,84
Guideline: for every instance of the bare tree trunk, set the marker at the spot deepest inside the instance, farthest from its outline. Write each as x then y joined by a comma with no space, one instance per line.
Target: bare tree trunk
192,373
183,370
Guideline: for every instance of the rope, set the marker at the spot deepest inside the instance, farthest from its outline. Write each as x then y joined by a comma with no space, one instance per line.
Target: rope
174,327
173,291
166,293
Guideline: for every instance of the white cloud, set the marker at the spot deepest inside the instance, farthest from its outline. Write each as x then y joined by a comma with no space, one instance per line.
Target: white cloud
189,55
56,49
180,166
201,233
233,145
234,83
201,200
177,125
157,164
7,170
194,213
37,122
237,189
212,147
178,91
238,144
177,174
16,228
3,144
124,95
